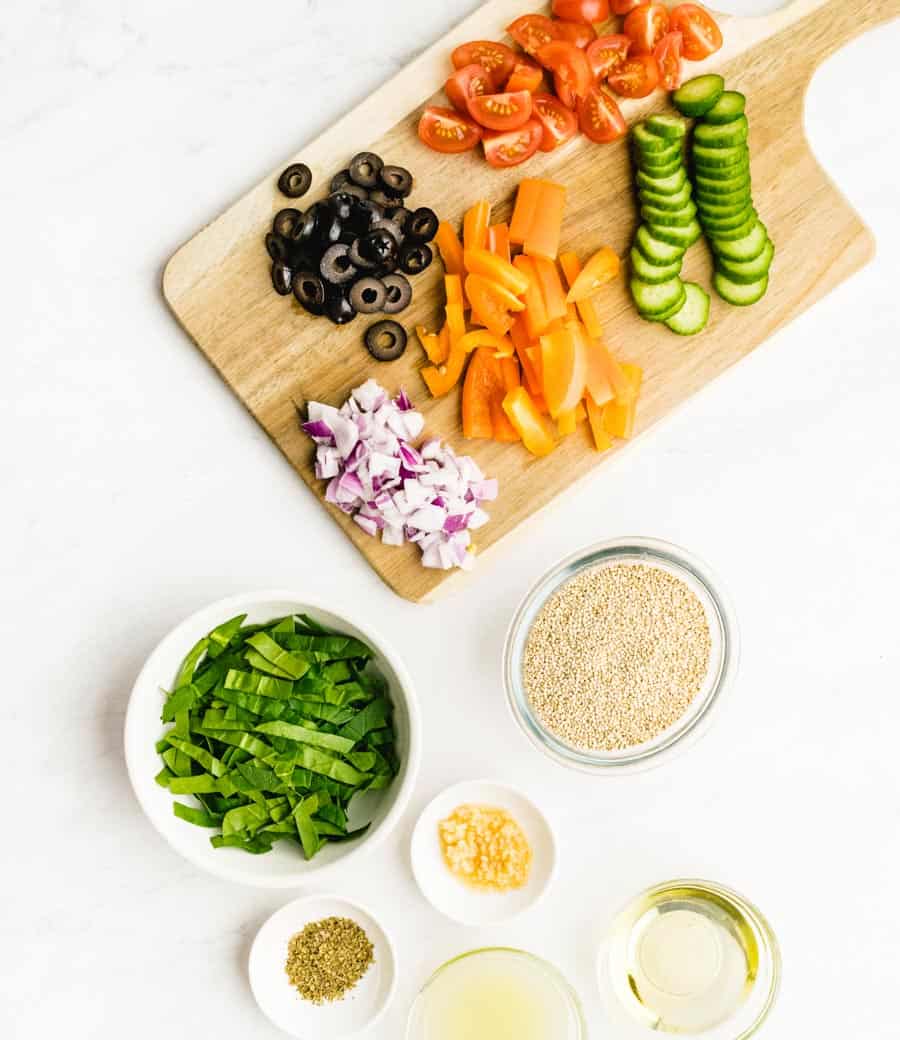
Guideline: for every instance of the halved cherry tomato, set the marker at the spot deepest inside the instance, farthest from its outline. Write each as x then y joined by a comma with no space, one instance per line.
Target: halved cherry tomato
532,31
575,32
564,92
501,111
588,11
527,75
636,77
511,147
497,58
605,53
446,130
621,7
569,64
600,118
646,25
668,57
558,121
702,36
469,81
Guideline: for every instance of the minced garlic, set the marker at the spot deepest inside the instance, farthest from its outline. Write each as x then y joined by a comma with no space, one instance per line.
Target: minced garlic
485,847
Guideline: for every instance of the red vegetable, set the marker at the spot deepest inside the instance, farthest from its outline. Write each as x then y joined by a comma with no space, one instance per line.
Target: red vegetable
702,35
668,58
497,58
605,53
558,121
465,83
446,130
588,11
511,147
501,111
527,75
569,63
575,32
600,118
636,77
532,31
621,7
646,25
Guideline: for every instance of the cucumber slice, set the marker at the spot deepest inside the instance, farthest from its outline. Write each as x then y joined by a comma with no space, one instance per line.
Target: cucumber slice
738,294
671,167
649,143
716,158
663,185
736,232
699,94
646,271
675,201
677,236
705,174
729,106
670,127
722,135
713,225
670,150
665,315
669,217
745,248
746,271
656,250
727,186
721,205
654,299
692,316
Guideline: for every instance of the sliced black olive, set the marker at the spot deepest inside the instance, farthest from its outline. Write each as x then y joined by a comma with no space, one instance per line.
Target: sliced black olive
364,169
340,180
364,214
394,230
396,180
397,293
282,277
309,290
378,246
388,267
382,198
328,227
336,266
338,307
385,340
286,222
295,180
423,225
348,235
341,204
415,257
357,259
399,215
305,229
368,295
276,246
355,190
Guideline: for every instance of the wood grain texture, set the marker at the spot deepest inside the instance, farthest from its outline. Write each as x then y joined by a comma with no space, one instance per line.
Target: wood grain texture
274,356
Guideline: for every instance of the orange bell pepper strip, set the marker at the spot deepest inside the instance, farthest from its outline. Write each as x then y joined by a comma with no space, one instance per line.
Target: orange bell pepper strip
456,321
571,266
566,423
551,288
443,347
618,419
510,378
602,267
527,199
491,304
495,269
440,379
498,241
482,383
453,289
430,344
597,381
532,427
564,366
602,440
450,248
542,239
519,336
475,225
536,320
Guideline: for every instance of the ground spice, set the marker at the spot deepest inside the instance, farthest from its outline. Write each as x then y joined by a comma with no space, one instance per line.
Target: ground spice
327,959
485,847
616,656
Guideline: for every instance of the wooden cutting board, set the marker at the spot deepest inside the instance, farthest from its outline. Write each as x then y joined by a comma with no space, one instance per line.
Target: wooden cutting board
272,354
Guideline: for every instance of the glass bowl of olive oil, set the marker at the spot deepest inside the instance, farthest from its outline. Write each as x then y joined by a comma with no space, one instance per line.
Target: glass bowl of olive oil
496,992
690,957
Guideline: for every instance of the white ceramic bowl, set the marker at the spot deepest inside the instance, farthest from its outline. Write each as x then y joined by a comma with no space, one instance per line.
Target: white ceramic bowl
284,866
284,1006
453,897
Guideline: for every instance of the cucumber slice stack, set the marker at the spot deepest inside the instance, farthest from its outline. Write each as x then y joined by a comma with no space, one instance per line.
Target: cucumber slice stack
669,228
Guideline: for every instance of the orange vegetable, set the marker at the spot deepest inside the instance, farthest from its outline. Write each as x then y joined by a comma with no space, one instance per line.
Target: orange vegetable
602,440
551,288
495,269
564,366
430,344
536,320
602,267
482,383
531,425
475,225
456,321
618,419
440,379
527,199
443,343
597,381
543,236
520,340
498,241
566,423
504,431
491,304
571,266
450,248
453,289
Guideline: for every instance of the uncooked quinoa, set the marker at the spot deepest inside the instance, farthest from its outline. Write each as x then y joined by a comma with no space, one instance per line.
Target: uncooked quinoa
328,958
616,656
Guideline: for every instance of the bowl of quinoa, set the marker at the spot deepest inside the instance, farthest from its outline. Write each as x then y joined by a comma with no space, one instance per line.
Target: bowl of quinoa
618,656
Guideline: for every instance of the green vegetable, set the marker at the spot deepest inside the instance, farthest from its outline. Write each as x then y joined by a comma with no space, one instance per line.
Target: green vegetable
275,728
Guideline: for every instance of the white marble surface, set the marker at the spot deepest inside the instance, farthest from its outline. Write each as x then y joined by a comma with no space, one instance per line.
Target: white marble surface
126,124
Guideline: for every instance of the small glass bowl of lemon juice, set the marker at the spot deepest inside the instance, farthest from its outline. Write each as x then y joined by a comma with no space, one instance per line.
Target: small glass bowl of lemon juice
496,993
690,957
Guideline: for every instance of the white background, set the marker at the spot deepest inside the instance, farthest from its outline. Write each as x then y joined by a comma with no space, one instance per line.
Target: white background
135,489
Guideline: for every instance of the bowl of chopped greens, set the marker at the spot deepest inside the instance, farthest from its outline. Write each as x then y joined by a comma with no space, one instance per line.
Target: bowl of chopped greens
268,739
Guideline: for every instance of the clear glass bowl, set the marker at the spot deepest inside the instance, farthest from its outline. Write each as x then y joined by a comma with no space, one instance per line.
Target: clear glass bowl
722,663
485,962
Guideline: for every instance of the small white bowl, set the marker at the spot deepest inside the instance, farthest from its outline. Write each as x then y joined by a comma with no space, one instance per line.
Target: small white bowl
456,899
284,866
283,1005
